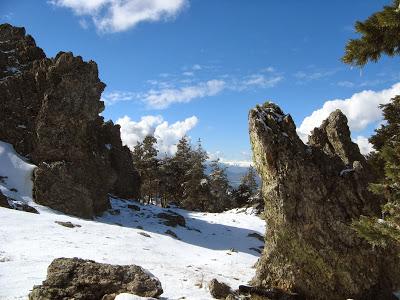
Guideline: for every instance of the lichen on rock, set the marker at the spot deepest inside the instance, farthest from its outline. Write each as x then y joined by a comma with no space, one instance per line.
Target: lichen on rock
310,203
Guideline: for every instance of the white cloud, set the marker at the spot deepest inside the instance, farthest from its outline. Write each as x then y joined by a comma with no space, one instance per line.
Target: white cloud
346,83
365,146
197,67
118,96
361,109
313,75
120,15
167,135
260,80
160,99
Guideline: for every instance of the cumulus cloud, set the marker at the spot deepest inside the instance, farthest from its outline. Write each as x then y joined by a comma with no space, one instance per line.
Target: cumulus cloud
160,99
120,15
365,146
167,135
361,109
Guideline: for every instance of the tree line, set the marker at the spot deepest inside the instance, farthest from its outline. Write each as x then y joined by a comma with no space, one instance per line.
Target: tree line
182,179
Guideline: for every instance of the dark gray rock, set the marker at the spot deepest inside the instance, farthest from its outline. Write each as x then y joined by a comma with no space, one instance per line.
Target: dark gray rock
79,279
67,224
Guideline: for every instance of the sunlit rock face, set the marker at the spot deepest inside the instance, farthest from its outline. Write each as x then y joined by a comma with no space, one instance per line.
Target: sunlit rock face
312,193
50,113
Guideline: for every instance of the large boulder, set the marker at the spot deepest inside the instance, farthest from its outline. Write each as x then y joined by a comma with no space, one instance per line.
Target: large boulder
50,114
79,279
312,193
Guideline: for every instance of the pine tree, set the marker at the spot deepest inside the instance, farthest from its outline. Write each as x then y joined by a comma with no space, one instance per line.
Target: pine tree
181,165
247,189
167,181
380,34
196,189
387,143
250,179
145,159
219,188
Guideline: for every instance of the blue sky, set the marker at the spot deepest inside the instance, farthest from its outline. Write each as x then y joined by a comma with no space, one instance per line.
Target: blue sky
209,61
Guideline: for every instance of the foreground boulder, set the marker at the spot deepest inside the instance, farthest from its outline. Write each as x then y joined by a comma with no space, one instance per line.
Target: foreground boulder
74,278
312,194
50,114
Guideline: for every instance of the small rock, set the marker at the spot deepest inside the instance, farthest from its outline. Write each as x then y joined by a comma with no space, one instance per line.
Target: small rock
172,218
67,224
134,207
219,290
139,227
256,250
115,212
144,234
14,190
25,207
257,236
171,233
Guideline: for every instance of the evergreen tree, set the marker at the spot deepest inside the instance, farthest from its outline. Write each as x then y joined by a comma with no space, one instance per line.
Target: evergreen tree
196,190
221,198
181,165
387,143
167,181
250,179
145,159
247,189
380,34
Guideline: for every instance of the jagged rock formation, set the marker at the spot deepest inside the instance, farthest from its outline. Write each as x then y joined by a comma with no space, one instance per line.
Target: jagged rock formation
74,278
312,193
50,113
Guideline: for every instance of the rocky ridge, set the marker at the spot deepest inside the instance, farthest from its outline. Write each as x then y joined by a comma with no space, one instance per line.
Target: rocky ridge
50,114
312,194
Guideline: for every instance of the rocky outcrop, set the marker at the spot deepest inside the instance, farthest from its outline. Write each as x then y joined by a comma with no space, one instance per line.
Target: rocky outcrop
50,113
312,194
79,279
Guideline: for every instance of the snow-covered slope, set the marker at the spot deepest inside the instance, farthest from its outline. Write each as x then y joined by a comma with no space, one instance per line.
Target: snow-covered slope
210,246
